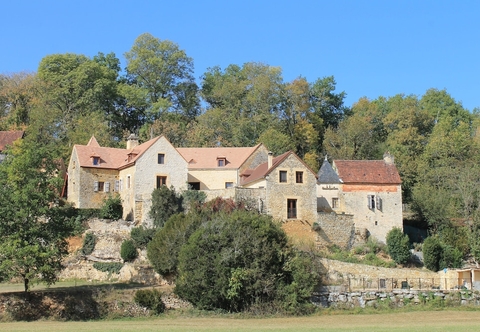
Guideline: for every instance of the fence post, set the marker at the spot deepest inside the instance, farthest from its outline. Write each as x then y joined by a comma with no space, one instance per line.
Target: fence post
419,283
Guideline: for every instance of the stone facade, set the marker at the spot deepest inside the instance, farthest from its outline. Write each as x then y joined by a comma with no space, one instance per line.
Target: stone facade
300,196
332,228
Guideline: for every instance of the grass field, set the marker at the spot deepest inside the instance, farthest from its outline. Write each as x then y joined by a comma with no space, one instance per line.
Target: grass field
424,321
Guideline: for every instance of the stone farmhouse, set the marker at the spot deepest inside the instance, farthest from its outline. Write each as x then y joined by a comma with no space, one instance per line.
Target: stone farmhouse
283,186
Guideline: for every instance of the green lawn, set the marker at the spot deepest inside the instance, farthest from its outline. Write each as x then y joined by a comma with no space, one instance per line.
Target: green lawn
424,321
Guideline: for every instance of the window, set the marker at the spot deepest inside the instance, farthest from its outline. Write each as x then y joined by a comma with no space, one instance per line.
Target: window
228,184
283,176
291,208
161,181
371,201
161,158
96,160
335,203
378,201
101,186
221,162
299,177
194,185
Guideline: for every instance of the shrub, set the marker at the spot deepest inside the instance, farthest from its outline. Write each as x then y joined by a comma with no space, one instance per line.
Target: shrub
238,259
432,252
88,243
165,246
142,236
398,245
128,251
110,267
112,208
451,257
150,299
165,203
193,198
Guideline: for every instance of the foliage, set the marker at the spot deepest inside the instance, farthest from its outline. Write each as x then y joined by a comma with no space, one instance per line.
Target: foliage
141,236
432,253
398,245
237,259
112,208
89,243
128,251
150,299
33,228
193,198
110,267
165,203
165,246
368,250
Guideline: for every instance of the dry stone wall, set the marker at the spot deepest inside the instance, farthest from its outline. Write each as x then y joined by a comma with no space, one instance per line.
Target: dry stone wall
332,228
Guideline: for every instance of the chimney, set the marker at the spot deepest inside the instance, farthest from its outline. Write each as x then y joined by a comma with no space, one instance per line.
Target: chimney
270,159
388,158
132,141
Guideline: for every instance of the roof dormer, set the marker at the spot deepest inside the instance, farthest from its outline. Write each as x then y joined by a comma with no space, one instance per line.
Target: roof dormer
221,161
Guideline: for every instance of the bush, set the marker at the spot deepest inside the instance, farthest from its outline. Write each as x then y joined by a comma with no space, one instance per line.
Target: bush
193,198
88,243
165,203
432,252
150,299
110,267
112,208
238,259
398,245
142,236
165,246
128,251
437,255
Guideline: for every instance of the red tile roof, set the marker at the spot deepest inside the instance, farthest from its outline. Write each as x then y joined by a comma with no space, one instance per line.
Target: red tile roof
367,171
110,158
8,137
262,170
198,158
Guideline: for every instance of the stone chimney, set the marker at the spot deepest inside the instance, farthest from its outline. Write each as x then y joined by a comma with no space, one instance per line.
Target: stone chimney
132,141
388,158
270,159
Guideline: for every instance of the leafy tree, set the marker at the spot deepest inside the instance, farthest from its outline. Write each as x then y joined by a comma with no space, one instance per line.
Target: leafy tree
128,251
165,203
163,72
33,227
398,245
165,246
17,98
235,260
432,253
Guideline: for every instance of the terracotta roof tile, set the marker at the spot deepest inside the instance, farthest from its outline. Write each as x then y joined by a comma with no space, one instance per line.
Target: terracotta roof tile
8,137
367,171
199,158
110,158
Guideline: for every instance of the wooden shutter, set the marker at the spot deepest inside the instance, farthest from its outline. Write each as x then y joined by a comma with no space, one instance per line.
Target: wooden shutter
107,187
95,186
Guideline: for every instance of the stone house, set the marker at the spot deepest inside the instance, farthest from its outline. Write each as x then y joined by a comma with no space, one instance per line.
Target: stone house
95,172
283,186
369,190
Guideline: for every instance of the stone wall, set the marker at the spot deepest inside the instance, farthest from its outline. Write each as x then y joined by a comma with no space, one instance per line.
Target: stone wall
394,298
304,193
332,228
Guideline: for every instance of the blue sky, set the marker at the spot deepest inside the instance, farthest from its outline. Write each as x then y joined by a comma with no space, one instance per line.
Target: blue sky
372,48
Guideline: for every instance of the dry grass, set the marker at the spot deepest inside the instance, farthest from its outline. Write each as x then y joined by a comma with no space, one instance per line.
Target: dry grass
424,321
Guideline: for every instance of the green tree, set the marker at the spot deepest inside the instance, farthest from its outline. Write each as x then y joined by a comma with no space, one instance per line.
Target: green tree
432,253
238,259
33,227
164,74
165,203
18,94
128,251
398,245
